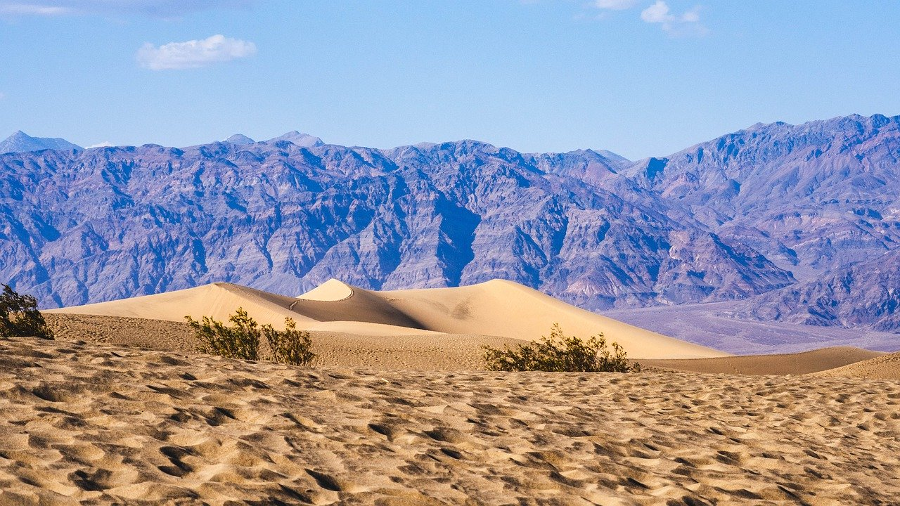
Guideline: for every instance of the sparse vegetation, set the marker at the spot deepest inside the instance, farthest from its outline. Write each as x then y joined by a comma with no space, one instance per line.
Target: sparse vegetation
19,316
560,353
290,346
242,339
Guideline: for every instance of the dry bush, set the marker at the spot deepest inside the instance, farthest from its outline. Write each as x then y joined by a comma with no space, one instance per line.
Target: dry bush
560,353
290,346
241,340
19,316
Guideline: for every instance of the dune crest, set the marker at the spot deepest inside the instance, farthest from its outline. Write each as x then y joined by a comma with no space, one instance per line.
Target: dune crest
329,291
496,308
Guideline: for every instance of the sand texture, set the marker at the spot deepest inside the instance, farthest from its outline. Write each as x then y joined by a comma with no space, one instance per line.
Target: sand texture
884,367
92,423
788,363
425,352
496,308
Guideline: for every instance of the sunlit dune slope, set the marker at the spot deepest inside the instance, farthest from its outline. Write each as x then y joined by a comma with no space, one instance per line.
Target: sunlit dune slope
216,300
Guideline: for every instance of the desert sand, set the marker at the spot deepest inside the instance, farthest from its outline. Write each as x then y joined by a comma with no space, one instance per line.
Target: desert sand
499,309
786,363
883,367
397,409
94,423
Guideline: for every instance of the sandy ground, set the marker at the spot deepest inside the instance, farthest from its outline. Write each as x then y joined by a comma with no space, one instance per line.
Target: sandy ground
790,363
428,352
451,352
884,367
94,423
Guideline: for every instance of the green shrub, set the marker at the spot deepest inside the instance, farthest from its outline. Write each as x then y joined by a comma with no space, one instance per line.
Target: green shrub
241,340
19,316
291,346
560,353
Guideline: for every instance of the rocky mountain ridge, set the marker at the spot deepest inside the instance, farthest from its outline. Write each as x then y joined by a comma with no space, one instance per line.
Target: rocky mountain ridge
773,215
20,142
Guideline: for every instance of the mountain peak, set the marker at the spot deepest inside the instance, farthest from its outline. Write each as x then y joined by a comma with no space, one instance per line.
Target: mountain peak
20,142
299,139
240,140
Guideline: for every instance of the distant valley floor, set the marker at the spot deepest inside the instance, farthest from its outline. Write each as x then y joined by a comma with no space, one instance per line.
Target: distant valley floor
713,325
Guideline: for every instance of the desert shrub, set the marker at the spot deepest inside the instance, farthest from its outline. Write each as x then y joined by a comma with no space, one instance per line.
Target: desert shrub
241,340
19,316
560,353
290,346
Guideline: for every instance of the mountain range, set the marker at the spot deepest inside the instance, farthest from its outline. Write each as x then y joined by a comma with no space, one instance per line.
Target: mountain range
20,142
798,223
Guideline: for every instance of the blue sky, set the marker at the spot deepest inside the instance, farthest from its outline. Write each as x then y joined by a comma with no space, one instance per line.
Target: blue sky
638,77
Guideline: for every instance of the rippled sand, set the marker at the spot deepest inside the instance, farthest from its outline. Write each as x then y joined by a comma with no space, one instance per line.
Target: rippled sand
86,422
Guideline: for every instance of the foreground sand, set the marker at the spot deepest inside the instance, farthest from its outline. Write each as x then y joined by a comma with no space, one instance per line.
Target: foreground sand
85,422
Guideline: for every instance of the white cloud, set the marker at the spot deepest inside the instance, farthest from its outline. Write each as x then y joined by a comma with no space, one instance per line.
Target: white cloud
193,53
32,9
657,13
615,5
155,8
104,144
685,24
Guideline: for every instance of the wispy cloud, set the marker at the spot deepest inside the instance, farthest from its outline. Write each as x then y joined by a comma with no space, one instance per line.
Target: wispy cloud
104,144
20,9
194,53
154,8
615,5
687,23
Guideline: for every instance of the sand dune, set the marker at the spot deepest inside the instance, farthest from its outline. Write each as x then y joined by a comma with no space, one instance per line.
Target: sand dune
495,308
216,300
791,363
504,308
90,423
883,367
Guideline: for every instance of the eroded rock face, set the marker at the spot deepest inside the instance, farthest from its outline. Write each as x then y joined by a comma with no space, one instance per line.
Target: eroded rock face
821,200
119,222
812,197
803,214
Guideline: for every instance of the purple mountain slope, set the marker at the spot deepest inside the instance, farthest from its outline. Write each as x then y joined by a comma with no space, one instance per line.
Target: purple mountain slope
20,142
120,222
801,223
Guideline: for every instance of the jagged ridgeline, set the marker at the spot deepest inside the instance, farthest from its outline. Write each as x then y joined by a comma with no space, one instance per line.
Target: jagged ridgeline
775,209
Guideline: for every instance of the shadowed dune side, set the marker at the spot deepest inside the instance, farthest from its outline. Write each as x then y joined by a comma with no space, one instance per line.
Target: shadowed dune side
884,367
334,301
791,363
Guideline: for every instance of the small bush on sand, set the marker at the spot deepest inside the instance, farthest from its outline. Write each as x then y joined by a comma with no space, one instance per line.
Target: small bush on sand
560,353
19,316
241,340
290,346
